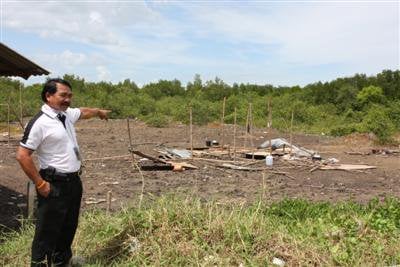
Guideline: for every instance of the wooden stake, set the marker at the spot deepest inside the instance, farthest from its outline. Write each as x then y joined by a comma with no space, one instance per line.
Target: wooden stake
130,138
251,129
250,118
31,193
249,123
269,113
269,124
135,164
20,107
291,133
222,123
191,131
109,198
234,135
8,124
247,120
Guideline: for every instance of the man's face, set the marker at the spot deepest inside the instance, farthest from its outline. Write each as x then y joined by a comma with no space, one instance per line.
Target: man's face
61,100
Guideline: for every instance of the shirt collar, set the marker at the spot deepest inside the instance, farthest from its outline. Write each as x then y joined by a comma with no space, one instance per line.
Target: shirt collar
51,112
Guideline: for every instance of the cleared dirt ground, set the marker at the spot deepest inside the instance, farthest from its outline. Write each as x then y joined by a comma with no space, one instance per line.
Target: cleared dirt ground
294,179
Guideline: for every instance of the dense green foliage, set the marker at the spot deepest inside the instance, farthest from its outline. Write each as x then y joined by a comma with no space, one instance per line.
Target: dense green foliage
345,105
175,231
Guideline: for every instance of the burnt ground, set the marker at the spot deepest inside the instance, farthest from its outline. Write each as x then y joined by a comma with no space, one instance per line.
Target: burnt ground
108,166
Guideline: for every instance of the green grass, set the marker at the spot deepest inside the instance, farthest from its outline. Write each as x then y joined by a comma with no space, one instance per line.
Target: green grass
177,231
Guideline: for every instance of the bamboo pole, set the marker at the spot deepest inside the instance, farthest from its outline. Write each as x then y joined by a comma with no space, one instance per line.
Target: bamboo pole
251,129
250,118
269,113
31,195
247,128
130,137
291,133
135,164
234,135
269,124
247,120
191,131
8,124
222,123
20,106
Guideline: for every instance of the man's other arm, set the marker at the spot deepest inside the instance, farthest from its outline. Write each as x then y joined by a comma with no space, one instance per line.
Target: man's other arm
24,157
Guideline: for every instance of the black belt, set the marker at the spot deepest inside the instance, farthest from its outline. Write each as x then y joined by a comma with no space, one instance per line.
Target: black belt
51,174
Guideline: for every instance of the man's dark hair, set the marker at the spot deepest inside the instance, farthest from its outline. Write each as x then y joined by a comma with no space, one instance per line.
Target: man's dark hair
51,87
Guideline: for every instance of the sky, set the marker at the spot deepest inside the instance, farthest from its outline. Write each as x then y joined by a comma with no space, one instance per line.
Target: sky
283,43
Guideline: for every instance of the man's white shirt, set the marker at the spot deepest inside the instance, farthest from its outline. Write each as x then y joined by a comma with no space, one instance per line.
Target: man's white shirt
54,144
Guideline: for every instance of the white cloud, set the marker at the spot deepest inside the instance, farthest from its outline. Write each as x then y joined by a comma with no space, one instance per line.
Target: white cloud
103,74
151,38
312,34
69,62
90,23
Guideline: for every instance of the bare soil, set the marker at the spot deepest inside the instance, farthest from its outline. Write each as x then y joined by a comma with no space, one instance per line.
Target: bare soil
108,166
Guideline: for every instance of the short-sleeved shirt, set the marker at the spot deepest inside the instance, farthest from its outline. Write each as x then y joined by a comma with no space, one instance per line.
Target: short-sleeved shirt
55,145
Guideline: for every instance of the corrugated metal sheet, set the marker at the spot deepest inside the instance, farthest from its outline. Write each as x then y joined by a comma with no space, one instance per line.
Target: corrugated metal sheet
14,64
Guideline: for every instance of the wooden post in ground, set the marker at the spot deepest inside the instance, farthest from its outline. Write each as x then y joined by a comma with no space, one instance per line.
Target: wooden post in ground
130,138
135,164
20,107
251,119
291,133
222,123
251,127
269,124
234,135
269,113
8,122
191,131
247,129
31,195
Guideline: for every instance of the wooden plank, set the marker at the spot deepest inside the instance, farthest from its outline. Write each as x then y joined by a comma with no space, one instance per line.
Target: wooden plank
347,167
31,192
136,152
184,165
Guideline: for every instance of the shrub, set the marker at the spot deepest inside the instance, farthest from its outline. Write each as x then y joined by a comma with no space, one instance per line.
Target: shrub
157,120
344,129
378,122
369,95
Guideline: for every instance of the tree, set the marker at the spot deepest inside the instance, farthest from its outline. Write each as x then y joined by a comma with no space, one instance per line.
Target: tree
346,97
390,82
370,95
378,122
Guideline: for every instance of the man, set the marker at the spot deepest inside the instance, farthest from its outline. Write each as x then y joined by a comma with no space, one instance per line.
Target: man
51,134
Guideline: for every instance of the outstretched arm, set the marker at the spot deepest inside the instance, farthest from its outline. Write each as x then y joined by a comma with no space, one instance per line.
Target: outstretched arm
87,113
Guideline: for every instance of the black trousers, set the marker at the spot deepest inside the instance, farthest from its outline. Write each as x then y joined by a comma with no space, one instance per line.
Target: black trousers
57,220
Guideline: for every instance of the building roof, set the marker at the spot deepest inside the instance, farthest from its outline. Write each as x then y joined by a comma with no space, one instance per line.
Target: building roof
14,64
